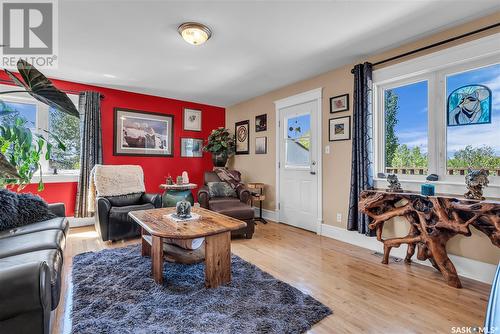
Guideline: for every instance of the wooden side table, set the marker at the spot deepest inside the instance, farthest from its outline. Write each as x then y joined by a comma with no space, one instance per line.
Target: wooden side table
177,192
258,195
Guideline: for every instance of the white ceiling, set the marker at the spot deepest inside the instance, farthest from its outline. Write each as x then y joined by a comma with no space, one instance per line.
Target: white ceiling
256,46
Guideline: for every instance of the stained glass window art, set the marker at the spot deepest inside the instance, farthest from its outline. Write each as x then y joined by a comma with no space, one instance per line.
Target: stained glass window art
469,105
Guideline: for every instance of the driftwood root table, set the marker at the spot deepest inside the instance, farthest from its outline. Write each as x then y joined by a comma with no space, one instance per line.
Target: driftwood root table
433,221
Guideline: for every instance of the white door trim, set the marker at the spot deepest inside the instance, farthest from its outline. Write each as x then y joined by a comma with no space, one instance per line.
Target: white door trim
311,95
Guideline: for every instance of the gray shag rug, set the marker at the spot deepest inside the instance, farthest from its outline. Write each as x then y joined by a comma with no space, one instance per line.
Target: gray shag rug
113,292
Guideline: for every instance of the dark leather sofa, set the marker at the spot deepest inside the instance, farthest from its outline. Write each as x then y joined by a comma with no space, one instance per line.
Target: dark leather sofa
31,259
236,207
112,220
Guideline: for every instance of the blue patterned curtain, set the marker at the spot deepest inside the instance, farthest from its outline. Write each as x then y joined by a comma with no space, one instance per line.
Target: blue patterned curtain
90,148
362,155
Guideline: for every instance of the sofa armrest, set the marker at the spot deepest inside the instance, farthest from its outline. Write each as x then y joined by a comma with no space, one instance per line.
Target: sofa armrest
58,209
203,197
154,199
244,194
103,206
25,289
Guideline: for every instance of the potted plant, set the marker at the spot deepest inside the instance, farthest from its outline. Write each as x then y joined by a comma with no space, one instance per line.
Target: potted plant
20,148
221,145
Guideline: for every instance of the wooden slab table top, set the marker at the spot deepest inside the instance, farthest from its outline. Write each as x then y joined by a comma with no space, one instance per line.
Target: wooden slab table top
215,227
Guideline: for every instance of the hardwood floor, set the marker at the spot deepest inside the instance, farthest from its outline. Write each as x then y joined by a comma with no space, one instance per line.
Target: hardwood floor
365,295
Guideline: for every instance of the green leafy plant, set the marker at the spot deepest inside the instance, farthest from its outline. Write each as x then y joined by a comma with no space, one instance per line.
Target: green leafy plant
20,148
220,141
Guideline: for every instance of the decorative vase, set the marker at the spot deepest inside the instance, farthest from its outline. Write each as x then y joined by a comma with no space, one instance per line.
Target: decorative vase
220,159
183,209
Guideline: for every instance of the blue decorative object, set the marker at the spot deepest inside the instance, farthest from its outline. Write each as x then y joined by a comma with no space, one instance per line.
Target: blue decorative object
427,189
468,105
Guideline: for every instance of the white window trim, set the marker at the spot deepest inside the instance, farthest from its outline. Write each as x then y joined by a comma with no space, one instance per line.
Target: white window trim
42,122
434,68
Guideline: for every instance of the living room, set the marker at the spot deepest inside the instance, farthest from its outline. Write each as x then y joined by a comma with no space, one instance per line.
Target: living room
249,167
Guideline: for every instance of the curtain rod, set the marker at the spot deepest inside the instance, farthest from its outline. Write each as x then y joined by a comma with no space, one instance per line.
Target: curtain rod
62,90
452,39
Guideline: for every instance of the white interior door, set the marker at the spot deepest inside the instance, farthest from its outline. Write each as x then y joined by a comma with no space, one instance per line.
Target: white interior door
298,178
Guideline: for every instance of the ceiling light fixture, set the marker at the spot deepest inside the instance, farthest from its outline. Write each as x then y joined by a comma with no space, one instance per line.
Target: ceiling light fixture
194,33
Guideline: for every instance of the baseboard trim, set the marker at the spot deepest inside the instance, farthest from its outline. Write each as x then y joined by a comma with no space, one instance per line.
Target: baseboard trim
267,214
79,222
476,270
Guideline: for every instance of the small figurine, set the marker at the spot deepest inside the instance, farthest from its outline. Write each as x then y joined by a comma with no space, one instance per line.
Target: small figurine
170,181
183,209
179,180
394,185
185,177
475,180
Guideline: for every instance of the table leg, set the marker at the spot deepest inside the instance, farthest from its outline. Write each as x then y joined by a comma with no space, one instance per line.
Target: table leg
146,247
217,259
157,259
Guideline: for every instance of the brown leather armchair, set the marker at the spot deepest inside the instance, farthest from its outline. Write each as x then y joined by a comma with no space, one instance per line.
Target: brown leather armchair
236,207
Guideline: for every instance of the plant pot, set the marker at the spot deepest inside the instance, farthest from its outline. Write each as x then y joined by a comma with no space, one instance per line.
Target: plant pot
220,159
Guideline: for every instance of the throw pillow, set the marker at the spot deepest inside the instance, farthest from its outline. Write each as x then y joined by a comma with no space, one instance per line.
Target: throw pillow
220,189
21,209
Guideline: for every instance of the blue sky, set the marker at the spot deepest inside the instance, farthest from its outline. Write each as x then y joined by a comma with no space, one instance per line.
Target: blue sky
28,111
412,114
303,122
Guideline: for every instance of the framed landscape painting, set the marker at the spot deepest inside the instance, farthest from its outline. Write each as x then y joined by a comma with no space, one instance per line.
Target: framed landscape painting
340,128
242,136
192,120
142,133
191,147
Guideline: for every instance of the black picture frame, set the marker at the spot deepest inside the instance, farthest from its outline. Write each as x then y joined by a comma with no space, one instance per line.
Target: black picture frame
245,143
183,155
261,123
348,127
346,107
118,151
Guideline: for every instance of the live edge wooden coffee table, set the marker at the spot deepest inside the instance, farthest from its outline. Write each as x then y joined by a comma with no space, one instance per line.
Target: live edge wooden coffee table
215,227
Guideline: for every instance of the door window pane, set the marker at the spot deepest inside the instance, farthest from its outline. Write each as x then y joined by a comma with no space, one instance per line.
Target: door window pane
473,106
406,135
298,141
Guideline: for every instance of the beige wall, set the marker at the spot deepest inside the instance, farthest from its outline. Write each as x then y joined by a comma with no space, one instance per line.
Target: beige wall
336,165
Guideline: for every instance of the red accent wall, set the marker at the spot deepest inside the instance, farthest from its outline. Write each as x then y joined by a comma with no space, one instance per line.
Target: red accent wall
155,168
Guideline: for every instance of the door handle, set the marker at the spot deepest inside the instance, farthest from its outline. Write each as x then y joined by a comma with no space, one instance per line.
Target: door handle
312,173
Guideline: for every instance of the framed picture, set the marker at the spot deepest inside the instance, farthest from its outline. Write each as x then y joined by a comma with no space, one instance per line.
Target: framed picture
191,120
261,123
242,136
340,128
142,133
339,103
260,145
191,147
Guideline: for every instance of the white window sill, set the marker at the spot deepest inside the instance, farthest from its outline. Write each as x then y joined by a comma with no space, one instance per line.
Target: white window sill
57,178
442,187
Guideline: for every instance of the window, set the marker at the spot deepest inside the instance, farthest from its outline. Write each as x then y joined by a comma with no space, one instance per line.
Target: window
298,141
406,134
440,114
477,142
41,117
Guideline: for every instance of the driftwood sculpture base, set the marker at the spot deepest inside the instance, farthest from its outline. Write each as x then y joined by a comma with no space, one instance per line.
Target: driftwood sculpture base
433,221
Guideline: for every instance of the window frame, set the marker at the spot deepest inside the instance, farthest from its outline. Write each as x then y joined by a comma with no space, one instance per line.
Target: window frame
434,68
42,122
